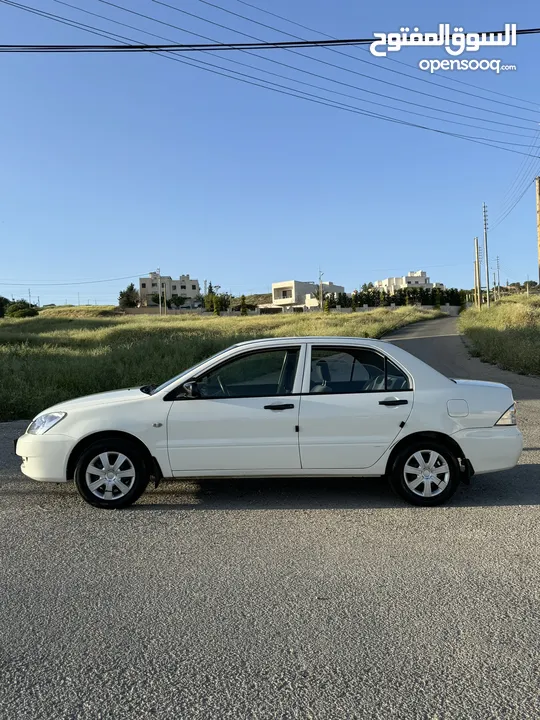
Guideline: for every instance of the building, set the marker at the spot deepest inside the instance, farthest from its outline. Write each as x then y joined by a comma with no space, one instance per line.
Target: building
185,287
415,279
294,293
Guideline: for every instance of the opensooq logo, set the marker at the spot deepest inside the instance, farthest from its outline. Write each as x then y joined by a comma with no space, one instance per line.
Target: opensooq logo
454,43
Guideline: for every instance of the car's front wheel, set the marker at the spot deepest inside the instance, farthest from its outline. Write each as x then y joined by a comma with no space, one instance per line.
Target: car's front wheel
111,473
425,473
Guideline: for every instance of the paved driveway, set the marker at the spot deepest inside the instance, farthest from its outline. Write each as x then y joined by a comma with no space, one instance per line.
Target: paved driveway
326,599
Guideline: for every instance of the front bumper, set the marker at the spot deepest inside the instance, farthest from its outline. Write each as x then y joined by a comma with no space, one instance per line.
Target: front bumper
44,457
491,449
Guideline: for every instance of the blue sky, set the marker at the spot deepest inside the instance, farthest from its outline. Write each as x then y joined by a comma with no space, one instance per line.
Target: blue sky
113,165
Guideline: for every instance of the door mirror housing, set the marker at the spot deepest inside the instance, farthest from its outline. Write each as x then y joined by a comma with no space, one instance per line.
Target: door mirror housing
191,389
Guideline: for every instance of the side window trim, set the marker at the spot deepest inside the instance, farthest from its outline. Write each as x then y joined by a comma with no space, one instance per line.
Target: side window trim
306,381
300,348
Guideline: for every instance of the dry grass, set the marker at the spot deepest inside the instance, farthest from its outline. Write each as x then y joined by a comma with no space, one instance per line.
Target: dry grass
508,334
79,311
68,353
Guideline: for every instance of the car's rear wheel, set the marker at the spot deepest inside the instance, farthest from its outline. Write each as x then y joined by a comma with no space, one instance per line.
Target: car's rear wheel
425,473
111,473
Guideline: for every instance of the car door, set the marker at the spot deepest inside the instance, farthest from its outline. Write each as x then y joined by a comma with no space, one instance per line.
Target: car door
354,402
245,417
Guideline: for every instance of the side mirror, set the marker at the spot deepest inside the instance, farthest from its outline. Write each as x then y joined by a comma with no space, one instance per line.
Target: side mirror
191,389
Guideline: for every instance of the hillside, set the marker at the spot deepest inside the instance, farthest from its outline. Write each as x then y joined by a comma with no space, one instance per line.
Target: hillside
54,357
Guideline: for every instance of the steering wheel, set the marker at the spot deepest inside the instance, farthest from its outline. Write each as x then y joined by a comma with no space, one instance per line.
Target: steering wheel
222,386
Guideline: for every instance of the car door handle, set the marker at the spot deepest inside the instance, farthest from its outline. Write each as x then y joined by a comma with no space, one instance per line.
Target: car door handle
392,402
285,406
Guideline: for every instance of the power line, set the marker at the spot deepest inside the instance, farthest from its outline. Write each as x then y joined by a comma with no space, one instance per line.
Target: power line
261,45
523,178
339,67
514,205
302,82
400,62
81,282
422,105
520,169
101,32
292,92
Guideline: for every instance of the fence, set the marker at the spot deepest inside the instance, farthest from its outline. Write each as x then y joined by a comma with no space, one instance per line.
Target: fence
452,310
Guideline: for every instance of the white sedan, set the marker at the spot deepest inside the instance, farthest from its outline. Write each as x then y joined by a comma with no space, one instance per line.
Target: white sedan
304,406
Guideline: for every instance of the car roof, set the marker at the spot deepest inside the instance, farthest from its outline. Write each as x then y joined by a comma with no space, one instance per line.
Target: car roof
320,339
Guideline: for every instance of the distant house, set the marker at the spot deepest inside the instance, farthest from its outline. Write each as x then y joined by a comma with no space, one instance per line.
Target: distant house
185,286
295,293
415,279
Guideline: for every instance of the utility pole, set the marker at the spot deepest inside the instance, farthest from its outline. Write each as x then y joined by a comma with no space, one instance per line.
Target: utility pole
159,288
527,286
29,296
538,221
486,257
321,299
477,278
498,279
205,286
38,300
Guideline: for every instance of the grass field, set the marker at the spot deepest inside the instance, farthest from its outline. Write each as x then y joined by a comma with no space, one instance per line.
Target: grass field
508,334
66,353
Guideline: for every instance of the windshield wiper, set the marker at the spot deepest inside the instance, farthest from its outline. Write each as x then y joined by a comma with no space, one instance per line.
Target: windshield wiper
147,389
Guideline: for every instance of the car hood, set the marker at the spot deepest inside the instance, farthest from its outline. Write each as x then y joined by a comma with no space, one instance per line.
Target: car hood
106,398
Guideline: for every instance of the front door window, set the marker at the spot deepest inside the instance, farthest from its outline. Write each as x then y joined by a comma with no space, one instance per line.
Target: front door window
262,374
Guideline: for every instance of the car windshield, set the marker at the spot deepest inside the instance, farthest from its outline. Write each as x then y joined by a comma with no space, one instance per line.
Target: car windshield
166,384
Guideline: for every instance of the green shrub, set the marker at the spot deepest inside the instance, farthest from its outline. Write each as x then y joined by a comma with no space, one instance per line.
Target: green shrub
24,313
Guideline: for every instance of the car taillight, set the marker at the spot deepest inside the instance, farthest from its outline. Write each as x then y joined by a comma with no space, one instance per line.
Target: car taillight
509,417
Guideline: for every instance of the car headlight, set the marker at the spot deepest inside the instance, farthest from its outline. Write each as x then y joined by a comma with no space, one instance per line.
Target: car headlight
45,422
509,417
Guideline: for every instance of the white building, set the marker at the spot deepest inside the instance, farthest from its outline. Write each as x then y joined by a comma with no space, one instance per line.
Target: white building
185,287
294,293
415,279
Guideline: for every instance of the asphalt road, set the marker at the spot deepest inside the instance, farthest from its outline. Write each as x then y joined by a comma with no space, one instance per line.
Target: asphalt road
277,599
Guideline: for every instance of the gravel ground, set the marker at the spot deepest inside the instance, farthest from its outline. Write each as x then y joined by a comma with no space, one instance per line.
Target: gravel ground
279,599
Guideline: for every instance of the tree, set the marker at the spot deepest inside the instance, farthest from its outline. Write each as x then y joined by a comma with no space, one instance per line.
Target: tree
530,284
354,298
21,308
178,300
4,304
27,312
326,306
243,306
216,305
128,298
224,301
209,298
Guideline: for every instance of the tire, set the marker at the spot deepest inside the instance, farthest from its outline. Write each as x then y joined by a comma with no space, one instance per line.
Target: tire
411,482
102,461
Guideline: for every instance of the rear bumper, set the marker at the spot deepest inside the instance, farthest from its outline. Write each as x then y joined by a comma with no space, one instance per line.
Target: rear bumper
44,457
491,449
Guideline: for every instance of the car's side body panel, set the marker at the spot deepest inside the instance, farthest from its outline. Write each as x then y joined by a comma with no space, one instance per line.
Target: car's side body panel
341,434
